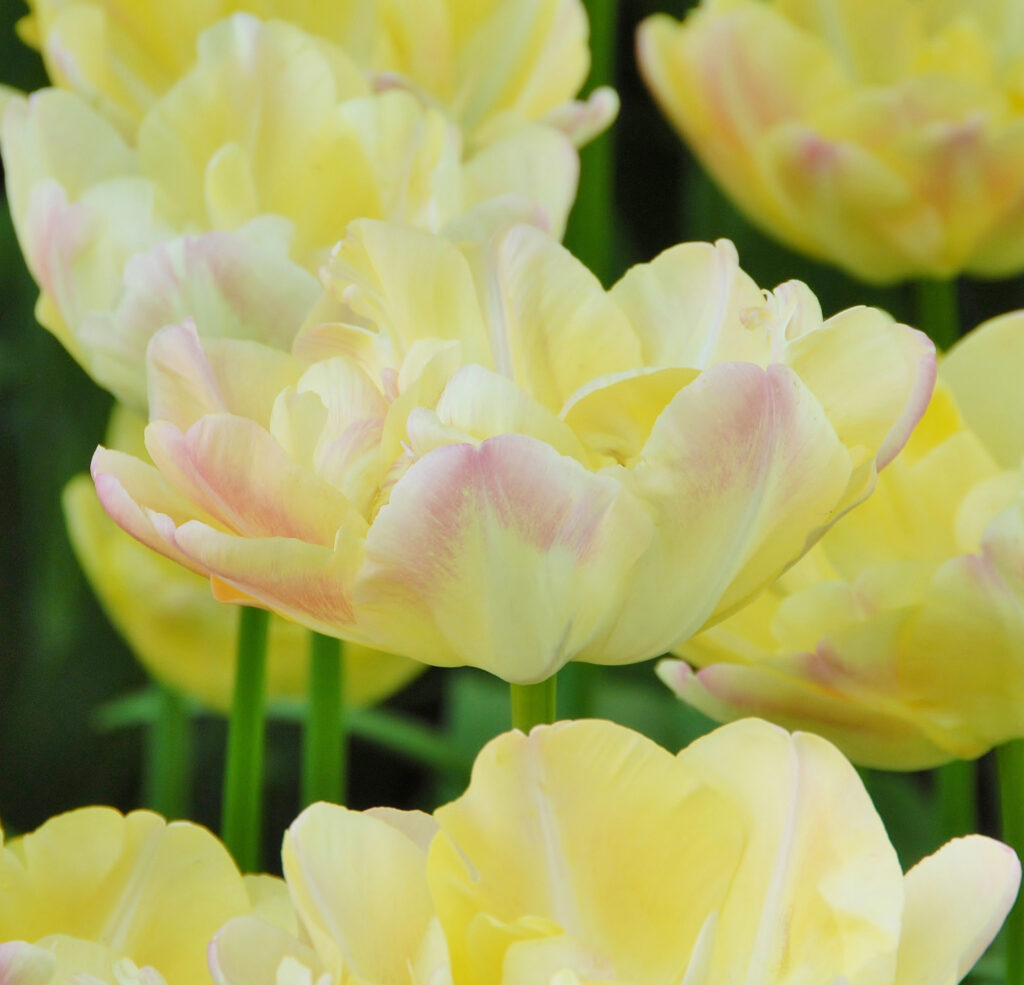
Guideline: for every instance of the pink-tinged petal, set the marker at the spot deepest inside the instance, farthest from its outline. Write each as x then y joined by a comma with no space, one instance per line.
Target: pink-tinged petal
190,377
305,582
742,470
475,536
584,119
140,502
25,964
984,372
553,328
868,731
818,892
686,307
235,285
873,377
235,471
956,901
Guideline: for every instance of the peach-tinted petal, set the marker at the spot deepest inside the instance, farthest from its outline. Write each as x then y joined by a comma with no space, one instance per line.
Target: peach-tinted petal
25,964
473,537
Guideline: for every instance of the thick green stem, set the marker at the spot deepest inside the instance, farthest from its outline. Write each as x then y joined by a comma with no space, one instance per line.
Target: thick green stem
168,771
533,704
591,232
576,685
324,741
1010,764
957,789
938,311
241,816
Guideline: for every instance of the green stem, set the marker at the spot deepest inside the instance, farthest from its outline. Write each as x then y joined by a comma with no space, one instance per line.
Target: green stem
168,756
576,685
1010,765
324,740
533,704
938,311
241,816
958,798
591,232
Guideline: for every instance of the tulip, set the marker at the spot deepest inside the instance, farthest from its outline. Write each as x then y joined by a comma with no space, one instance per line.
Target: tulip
492,67
94,896
174,626
884,136
586,853
229,193
486,459
900,637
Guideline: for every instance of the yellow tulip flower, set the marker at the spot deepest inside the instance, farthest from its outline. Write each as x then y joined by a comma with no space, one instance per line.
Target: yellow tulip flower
225,199
884,136
94,897
481,457
585,853
901,636
182,635
492,65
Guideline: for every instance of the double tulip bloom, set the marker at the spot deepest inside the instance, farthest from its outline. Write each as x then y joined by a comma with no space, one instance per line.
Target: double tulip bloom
885,136
223,164
901,636
581,853
480,457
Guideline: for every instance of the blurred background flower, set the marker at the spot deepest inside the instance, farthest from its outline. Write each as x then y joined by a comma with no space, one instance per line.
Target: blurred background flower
884,136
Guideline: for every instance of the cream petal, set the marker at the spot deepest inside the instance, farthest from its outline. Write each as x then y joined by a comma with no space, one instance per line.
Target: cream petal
474,536
249,951
360,885
25,964
956,901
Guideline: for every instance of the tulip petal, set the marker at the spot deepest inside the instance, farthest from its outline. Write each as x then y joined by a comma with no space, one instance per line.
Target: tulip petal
25,964
249,951
591,813
475,536
983,371
360,887
686,306
956,901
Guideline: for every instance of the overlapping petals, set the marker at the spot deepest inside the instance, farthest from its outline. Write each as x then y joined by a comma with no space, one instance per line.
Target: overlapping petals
492,66
228,194
480,457
586,853
901,636
885,137
94,896
177,630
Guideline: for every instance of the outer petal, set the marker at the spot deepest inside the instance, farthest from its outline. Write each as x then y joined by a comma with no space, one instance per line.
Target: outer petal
152,890
818,894
956,901
741,470
249,951
591,813
25,964
473,537
983,371
184,636
360,886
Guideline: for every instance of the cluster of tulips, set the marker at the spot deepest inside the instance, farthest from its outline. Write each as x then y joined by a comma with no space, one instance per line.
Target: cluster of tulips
365,394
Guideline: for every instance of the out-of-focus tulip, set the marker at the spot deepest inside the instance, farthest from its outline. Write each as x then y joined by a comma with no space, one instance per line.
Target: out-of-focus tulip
900,637
182,635
585,853
491,65
94,897
224,200
885,136
494,462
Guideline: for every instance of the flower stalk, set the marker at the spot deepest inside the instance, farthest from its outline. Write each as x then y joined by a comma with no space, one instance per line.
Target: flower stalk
1010,767
324,756
938,311
957,790
241,815
533,704
168,772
